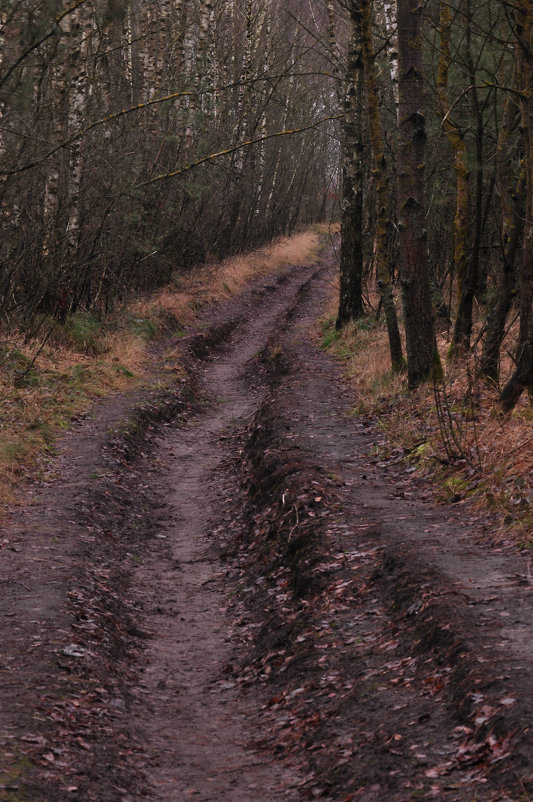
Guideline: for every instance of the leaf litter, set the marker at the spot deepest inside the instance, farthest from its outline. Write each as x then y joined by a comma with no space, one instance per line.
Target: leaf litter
347,650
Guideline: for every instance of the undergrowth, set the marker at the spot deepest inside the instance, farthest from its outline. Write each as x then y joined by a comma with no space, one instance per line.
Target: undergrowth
47,381
450,433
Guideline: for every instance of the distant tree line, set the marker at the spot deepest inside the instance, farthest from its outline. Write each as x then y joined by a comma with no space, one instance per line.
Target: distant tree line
100,98
138,138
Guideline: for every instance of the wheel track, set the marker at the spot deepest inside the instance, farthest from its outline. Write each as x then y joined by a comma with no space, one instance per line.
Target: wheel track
177,700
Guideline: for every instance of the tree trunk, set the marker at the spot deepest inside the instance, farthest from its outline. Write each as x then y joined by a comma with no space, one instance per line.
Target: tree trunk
457,142
414,273
512,199
80,38
463,322
522,377
351,254
383,206
513,221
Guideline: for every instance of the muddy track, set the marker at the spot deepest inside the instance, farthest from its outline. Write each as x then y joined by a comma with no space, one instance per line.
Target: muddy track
218,594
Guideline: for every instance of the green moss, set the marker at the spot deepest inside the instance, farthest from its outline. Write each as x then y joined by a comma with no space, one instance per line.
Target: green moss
82,333
18,367
11,789
124,371
455,485
422,451
328,339
146,328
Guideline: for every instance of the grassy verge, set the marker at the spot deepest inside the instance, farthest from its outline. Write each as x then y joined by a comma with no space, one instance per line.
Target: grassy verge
454,438
46,382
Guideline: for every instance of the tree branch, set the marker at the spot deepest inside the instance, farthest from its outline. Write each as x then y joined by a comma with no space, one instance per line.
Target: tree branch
42,40
241,145
139,107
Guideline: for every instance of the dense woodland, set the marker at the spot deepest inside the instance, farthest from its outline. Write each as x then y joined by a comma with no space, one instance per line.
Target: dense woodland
100,99
139,139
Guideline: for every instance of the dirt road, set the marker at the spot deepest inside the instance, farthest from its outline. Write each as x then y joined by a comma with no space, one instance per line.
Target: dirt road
218,593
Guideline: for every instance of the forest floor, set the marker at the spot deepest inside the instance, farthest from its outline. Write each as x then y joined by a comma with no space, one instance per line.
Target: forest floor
218,592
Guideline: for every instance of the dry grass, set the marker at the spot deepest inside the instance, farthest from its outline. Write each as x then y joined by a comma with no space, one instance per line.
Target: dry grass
38,400
177,305
466,450
42,387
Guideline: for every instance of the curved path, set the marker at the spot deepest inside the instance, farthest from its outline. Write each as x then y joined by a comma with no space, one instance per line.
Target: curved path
197,726
229,600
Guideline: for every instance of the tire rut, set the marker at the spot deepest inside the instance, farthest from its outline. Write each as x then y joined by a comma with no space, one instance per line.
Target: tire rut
229,599
411,635
197,728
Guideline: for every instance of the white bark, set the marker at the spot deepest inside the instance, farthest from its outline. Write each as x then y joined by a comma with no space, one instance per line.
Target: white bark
389,16
58,92
277,167
149,53
243,96
81,32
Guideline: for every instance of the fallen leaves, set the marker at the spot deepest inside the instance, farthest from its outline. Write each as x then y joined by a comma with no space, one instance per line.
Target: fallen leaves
346,693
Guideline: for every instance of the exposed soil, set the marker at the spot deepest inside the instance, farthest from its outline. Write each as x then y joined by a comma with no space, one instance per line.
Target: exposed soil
219,593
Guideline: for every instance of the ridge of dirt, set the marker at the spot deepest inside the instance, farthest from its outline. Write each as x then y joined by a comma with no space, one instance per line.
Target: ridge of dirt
428,618
89,520
219,594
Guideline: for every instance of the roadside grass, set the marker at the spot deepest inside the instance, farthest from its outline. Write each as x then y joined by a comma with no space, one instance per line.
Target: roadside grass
176,305
49,380
454,438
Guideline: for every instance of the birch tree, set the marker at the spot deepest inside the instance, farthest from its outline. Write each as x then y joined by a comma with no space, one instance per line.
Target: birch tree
99,98
380,176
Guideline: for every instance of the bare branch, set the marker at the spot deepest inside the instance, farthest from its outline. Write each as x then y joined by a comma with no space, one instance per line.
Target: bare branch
58,19
139,107
241,145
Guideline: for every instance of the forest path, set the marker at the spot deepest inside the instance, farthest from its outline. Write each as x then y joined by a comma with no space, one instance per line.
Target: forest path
231,599
195,728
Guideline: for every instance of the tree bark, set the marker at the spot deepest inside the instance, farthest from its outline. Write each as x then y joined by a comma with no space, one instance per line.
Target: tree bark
383,205
522,377
458,144
414,274
463,322
512,201
351,254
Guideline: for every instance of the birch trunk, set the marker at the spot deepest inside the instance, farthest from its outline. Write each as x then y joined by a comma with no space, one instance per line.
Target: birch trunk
80,38
383,205
389,16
